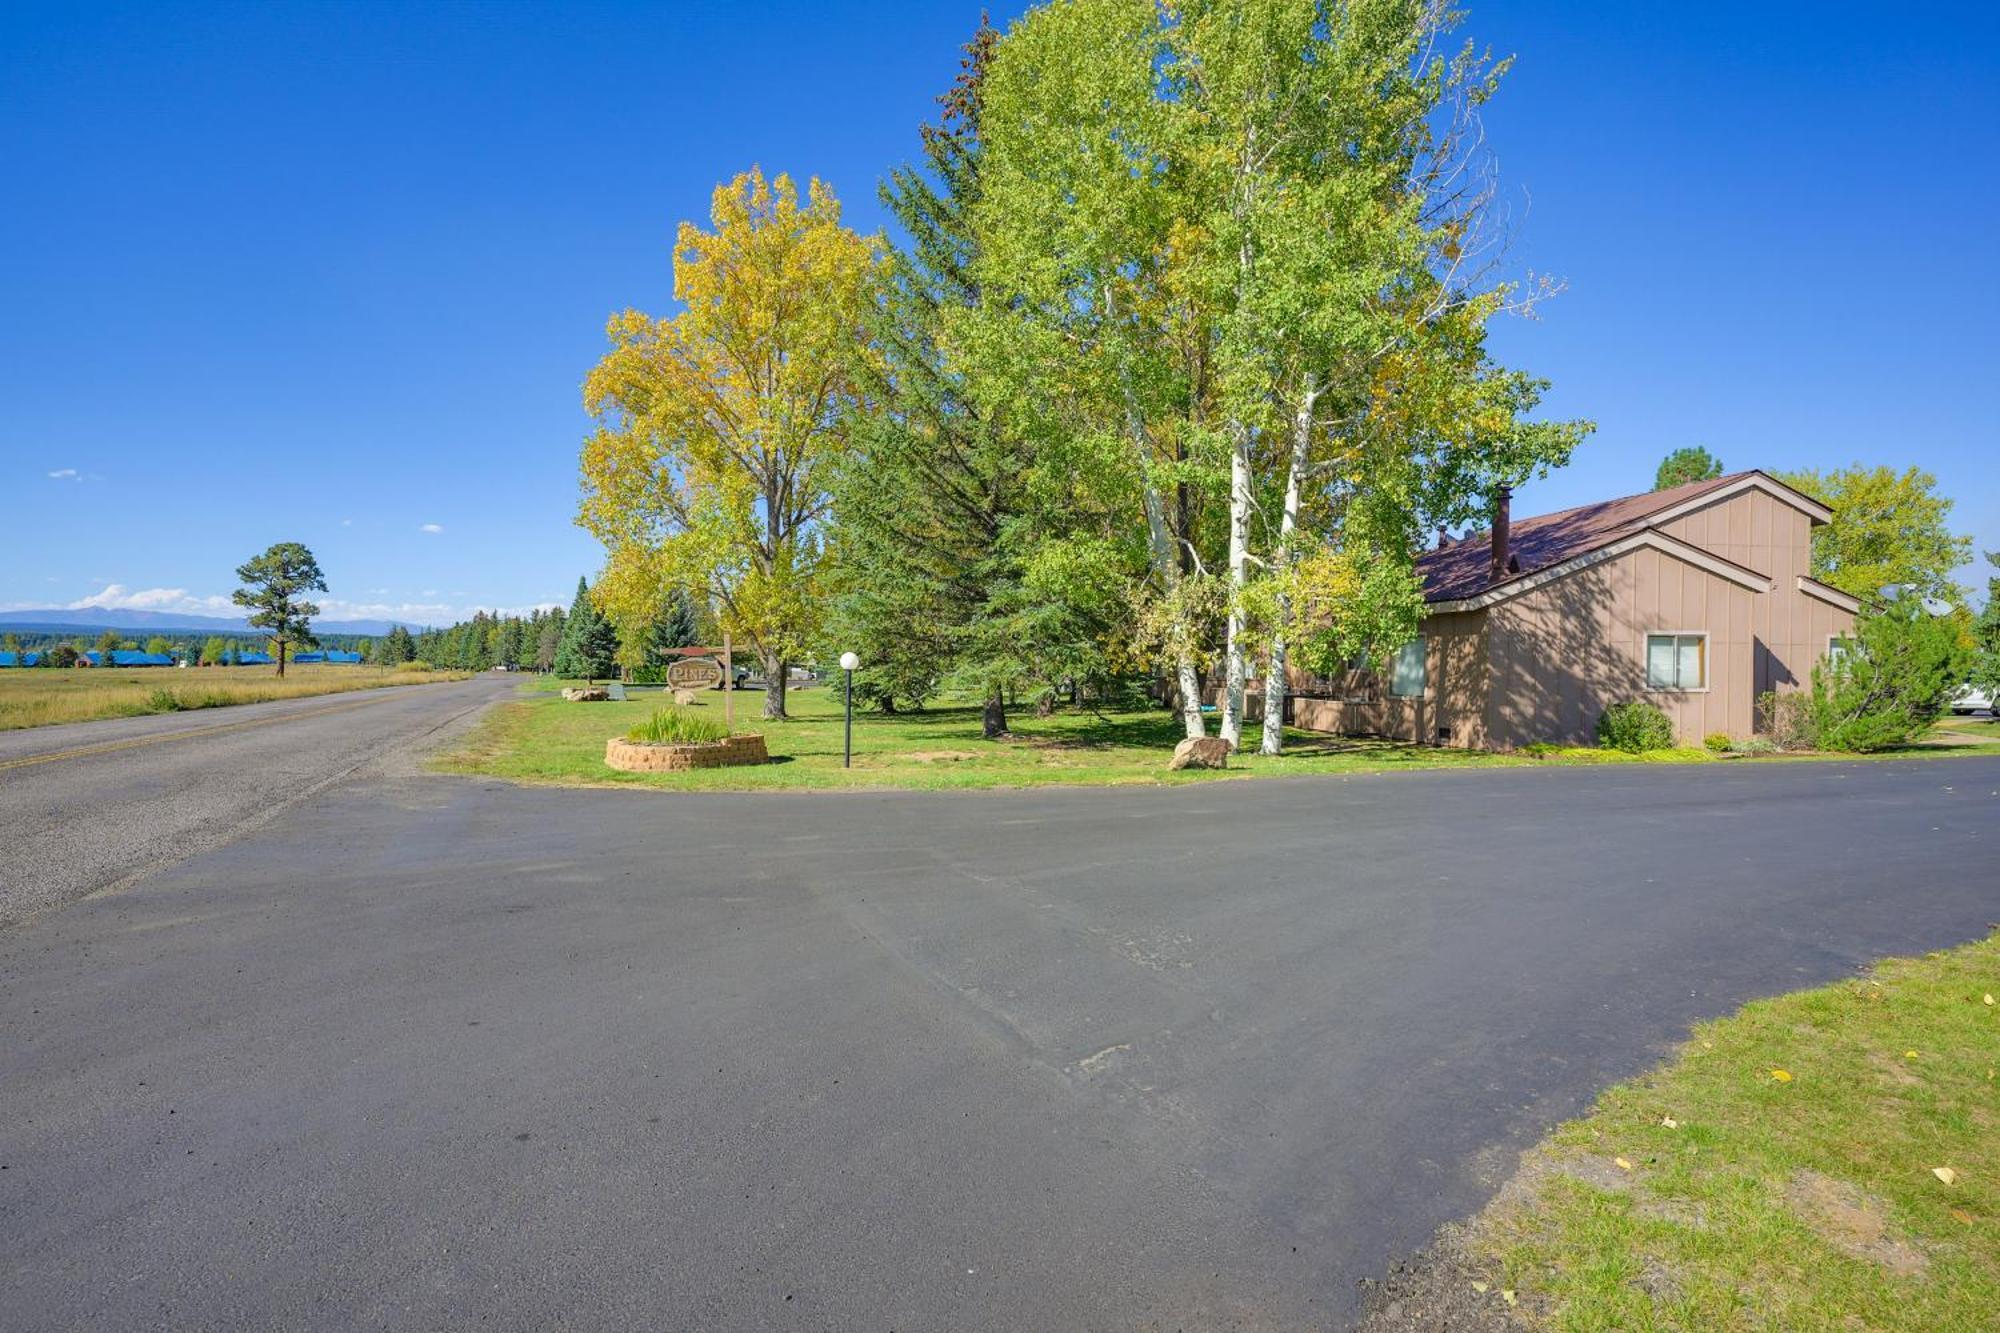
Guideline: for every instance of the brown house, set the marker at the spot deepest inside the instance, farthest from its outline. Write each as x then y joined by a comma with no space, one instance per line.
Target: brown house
1698,598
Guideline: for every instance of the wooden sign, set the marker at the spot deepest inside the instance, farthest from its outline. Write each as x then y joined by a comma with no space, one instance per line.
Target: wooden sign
694,673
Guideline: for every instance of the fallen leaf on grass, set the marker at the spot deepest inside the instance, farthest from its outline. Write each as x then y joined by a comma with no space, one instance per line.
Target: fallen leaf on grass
1946,1174
1964,1216
1623,1165
1781,1075
1508,1296
1989,997
1479,1287
1909,1055
1670,1122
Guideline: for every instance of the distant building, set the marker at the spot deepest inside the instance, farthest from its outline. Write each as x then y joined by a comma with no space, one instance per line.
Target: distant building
128,657
19,659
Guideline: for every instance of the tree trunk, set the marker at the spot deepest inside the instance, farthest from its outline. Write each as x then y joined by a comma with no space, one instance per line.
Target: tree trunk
993,717
774,686
1239,473
281,658
1275,684
1239,573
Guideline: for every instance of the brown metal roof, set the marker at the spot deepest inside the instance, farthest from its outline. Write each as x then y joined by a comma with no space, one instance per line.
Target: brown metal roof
1462,568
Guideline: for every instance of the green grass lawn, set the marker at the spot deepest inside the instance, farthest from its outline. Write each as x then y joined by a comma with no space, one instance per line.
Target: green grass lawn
540,738
1827,1160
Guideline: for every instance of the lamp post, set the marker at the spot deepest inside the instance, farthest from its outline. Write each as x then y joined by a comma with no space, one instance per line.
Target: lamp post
848,661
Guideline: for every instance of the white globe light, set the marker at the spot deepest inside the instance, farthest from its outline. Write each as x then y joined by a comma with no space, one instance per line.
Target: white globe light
848,661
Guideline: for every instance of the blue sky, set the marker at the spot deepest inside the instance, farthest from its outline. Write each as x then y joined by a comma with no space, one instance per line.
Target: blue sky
335,273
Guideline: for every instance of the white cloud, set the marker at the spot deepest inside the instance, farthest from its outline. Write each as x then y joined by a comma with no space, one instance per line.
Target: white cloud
432,527
428,611
415,613
346,522
65,474
118,597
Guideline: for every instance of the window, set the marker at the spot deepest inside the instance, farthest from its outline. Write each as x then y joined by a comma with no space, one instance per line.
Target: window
1838,648
1406,675
1676,661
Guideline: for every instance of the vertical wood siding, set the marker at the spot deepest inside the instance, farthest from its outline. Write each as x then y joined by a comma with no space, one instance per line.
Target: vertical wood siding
1563,653
1789,630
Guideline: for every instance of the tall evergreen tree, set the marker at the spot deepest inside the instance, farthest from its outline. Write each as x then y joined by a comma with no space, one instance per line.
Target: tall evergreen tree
677,627
589,646
274,588
396,647
941,513
548,640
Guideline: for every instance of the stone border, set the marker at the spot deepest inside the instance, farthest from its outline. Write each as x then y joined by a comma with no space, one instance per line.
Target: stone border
639,757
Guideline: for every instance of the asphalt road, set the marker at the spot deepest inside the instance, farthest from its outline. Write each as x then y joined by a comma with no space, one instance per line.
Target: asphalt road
90,805
436,1053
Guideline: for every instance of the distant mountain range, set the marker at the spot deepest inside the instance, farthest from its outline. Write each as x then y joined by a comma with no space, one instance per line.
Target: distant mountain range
61,620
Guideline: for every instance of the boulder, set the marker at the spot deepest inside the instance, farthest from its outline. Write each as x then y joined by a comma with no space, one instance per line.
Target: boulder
685,698
1200,752
587,694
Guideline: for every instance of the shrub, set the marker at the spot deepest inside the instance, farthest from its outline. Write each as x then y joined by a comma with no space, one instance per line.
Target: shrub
1540,750
163,701
677,726
1717,742
649,675
1895,683
1635,726
1754,745
1787,720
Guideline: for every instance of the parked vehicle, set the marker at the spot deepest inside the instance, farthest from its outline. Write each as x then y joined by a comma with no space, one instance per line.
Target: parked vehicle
1971,699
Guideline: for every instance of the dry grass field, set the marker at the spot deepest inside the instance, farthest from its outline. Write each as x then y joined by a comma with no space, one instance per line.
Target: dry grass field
37,697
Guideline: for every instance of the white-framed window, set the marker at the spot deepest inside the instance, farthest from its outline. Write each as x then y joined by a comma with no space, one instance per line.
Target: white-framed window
1839,647
1407,677
1677,661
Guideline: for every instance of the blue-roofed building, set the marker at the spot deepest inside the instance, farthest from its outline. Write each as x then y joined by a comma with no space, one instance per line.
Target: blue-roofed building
333,655
19,659
254,659
129,657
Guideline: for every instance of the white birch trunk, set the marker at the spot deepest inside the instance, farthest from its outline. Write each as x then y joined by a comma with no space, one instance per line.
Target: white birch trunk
1239,574
1239,480
1275,685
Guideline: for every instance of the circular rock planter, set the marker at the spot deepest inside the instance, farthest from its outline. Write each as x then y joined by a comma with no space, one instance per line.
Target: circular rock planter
639,757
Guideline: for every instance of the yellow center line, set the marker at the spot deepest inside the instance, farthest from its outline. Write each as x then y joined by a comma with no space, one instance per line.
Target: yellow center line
106,747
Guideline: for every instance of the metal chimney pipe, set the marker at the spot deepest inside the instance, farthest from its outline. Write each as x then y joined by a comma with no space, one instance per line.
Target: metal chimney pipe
1502,504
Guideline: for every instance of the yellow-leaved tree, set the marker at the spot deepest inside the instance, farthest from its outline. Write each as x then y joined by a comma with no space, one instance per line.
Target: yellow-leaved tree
717,427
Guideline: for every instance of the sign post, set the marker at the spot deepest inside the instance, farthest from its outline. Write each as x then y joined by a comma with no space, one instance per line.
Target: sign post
728,684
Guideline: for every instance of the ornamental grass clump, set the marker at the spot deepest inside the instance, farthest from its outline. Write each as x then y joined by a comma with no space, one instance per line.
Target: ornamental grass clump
677,726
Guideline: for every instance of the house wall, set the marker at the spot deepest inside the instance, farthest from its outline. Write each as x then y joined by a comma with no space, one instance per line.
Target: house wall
1454,699
1764,533
1560,654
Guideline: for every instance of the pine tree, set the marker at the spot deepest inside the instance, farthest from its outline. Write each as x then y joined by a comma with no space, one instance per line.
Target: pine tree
677,627
589,646
937,512
396,647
